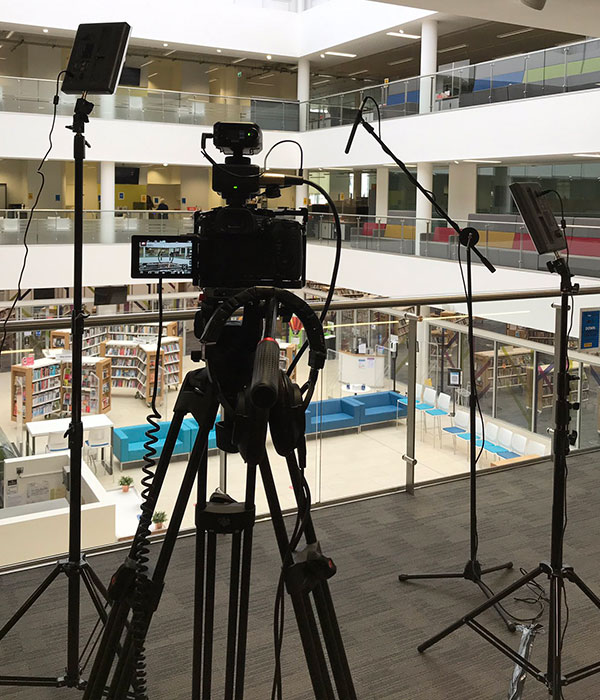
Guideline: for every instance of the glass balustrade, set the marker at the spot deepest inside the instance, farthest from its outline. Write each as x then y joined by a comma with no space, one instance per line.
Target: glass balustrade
34,96
549,71
357,424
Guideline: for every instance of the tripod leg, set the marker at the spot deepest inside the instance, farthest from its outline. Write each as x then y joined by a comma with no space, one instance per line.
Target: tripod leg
311,644
481,609
93,593
234,591
211,563
488,594
96,580
423,577
554,676
324,602
31,600
583,587
500,567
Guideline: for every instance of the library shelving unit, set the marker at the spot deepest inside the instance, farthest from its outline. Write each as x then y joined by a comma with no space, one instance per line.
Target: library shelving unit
132,364
513,364
95,335
140,331
41,389
92,337
95,387
287,352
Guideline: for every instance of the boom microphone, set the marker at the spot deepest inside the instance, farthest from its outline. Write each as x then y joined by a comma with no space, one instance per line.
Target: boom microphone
357,121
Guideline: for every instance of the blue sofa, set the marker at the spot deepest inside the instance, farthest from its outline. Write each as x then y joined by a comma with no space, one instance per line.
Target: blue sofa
382,406
190,427
333,414
128,442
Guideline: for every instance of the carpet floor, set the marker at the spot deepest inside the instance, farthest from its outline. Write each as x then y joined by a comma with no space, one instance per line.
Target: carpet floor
382,620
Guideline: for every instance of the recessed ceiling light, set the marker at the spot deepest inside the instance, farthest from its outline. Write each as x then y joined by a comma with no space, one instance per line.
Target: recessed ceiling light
219,50
517,31
268,75
340,53
212,70
45,30
250,82
358,72
169,52
403,35
165,45
402,60
453,48
586,155
212,80
152,75
146,64
239,60
321,82
269,57
457,162
476,160
12,31
165,165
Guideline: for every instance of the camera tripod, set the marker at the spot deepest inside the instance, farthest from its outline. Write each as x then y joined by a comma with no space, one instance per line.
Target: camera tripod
252,397
557,572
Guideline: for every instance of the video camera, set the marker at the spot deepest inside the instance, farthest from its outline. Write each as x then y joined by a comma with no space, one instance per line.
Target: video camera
239,245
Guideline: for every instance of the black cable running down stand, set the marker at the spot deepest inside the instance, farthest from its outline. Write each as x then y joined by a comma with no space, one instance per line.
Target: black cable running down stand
468,237
75,567
242,376
556,570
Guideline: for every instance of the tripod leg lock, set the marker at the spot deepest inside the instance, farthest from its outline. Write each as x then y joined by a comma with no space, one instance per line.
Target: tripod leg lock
225,518
310,568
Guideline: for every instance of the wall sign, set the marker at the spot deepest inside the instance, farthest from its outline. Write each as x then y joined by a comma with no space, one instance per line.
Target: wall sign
589,334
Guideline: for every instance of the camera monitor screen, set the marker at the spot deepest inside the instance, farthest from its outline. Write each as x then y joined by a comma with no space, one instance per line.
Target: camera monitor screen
537,214
169,257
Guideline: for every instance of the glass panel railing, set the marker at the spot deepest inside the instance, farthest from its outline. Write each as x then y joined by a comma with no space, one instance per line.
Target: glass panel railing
357,422
546,72
34,96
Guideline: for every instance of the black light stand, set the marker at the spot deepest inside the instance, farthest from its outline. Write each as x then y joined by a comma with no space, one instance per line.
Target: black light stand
468,237
556,570
76,568
94,67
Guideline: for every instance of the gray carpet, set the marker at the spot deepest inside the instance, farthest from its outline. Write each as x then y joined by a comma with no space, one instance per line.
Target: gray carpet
382,620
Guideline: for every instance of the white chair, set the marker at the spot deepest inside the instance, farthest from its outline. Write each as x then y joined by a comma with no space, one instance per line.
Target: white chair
461,425
57,442
98,439
418,392
518,444
536,448
505,438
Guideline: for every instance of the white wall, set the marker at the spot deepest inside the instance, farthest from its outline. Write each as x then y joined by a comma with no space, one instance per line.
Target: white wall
543,126
406,276
552,125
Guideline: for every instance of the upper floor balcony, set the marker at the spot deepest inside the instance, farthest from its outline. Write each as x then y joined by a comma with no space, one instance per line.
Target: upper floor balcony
552,71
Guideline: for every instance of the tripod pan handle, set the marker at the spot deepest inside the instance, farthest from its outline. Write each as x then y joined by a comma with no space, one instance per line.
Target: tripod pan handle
265,376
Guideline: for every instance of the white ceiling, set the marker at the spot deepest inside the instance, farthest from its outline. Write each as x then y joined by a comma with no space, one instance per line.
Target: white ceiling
574,16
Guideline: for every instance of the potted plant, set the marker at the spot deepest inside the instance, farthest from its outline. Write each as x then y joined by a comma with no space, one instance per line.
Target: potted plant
159,518
125,482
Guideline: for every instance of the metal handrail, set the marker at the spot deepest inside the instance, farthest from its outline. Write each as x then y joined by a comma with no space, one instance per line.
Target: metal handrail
350,304
161,91
453,70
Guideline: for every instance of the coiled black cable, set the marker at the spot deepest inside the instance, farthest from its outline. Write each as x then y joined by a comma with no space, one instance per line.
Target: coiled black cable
142,549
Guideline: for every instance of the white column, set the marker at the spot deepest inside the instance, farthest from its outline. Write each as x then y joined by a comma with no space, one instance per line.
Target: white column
425,177
382,191
107,202
303,90
423,348
462,191
303,95
429,43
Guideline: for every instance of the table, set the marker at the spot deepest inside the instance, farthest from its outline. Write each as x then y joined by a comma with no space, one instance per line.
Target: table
512,460
43,428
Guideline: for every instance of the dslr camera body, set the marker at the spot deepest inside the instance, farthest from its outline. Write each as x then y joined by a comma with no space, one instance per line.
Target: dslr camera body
240,245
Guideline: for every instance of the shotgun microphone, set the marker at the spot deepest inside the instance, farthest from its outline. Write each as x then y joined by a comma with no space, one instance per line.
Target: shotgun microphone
357,121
